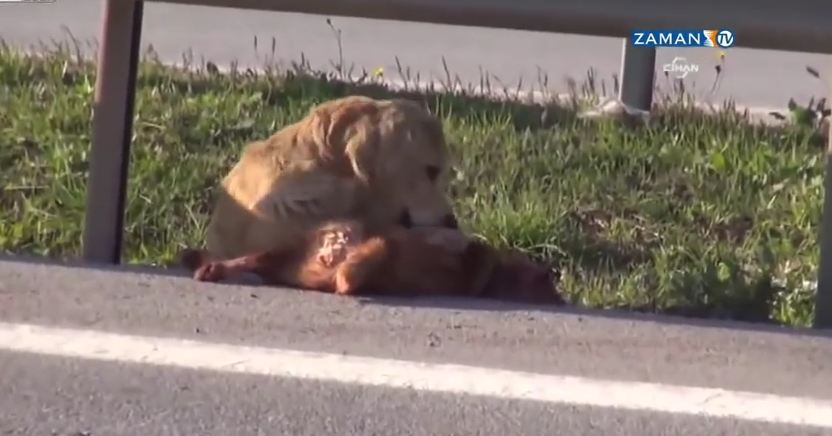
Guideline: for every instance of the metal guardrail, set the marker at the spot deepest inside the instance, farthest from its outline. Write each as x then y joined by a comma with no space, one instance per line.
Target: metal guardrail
798,25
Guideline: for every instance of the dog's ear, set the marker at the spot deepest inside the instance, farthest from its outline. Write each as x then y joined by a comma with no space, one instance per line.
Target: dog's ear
345,128
363,152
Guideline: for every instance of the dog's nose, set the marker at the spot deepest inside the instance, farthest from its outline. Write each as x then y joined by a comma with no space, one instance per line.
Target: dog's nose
450,221
405,220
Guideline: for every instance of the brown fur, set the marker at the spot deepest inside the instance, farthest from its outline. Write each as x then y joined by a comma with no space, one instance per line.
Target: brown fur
342,257
380,162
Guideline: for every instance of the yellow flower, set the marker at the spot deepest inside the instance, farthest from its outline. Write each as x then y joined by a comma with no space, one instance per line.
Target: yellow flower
378,72
721,54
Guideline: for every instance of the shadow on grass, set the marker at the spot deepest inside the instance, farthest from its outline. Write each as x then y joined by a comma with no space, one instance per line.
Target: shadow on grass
735,300
451,303
697,294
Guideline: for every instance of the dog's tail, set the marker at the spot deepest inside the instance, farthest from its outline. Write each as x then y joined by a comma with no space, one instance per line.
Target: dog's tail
193,258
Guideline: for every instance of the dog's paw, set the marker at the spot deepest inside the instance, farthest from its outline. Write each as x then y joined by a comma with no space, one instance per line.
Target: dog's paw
343,285
210,272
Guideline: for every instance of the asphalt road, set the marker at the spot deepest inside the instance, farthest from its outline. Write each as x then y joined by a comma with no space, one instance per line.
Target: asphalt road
752,77
46,396
63,394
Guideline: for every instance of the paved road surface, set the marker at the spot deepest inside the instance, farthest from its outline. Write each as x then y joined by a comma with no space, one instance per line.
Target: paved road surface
754,77
68,397
123,353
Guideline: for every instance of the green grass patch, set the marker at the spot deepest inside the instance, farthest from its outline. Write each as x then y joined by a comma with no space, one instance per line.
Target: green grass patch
702,215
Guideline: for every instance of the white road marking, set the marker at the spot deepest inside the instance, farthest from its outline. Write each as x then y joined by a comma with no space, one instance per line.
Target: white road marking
458,379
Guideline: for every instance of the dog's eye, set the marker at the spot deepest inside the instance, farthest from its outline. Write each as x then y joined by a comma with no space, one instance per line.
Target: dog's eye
433,172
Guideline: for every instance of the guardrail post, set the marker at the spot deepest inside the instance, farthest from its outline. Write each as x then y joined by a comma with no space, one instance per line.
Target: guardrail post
112,129
637,76
823,299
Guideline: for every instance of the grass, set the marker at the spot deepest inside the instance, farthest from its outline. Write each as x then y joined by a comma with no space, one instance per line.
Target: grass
693,214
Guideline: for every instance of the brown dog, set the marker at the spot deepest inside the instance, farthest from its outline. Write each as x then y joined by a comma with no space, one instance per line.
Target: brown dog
381,162
342,257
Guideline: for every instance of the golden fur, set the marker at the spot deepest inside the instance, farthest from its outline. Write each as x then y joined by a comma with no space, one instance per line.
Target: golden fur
381,162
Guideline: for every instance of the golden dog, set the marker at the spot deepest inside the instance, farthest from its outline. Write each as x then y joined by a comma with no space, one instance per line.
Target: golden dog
381,162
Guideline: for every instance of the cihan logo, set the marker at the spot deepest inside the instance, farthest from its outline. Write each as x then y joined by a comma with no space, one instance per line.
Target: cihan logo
680,68
721,38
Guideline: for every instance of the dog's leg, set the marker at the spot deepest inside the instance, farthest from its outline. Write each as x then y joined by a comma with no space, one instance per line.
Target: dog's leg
268,265
215,271
366,260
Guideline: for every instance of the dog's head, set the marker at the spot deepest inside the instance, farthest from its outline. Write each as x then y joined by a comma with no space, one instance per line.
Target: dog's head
396,149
